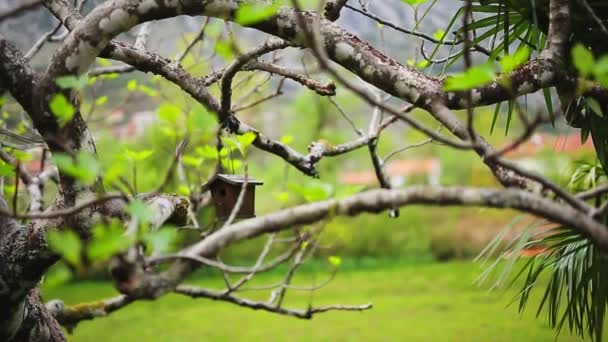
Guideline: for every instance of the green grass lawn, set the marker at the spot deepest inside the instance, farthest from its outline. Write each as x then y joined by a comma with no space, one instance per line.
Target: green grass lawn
415,302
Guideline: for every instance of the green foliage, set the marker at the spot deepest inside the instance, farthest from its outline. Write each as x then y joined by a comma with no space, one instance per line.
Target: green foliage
509,63
72,82
67,244
137,156
313,191
583,60
576,295
83,167
6,169
161,241
140,211
62,109
414,2
107,241
336,261
473,77
248,14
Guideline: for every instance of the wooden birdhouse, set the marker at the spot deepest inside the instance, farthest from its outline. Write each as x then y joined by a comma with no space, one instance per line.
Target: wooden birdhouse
225,190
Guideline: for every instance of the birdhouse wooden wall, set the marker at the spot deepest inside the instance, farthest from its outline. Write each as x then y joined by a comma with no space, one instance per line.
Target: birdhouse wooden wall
225,190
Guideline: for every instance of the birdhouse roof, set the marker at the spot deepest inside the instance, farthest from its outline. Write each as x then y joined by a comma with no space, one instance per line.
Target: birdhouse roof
232,179
237,179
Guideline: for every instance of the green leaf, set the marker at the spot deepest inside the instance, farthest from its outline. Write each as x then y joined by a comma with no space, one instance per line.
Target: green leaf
6,169
282,197
336,261
313,191
183,190
287,139
58,274
169,112
104,62
207,152
132,85
248,14
84,167
137,156
246,140
414,2
22,156
72,82
162,240
62,109
234,165
439,34
474,77
139,210
101,100
107,241
601,71
192,160
200,120
509,63
147,90
224,49
67,244
583,60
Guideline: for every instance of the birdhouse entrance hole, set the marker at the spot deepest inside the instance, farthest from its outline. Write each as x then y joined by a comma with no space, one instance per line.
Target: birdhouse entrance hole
225,190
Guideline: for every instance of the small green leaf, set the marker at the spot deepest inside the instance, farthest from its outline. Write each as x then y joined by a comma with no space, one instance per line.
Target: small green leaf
246,140
72,82
509,63
101,100
148,91
67,244
207,152
22,156
140,210
162,240
313,191
138,155
414,2
200,120
336,261
57,275
192,160
107,240
183,190
583,60
224,49
62,109
474,77
6,169
104,62
132,85
169,112
287,139
282,196
601,71
439,34
248,14
84,167
423,64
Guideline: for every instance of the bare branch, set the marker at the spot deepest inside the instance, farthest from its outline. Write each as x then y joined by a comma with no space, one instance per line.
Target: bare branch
70,316
197,292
